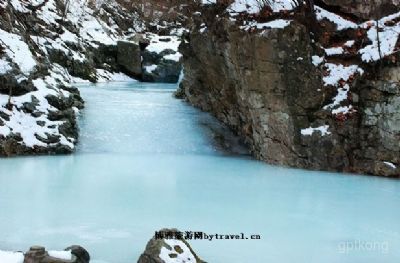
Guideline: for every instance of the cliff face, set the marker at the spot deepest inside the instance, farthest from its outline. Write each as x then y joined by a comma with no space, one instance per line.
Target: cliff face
297,99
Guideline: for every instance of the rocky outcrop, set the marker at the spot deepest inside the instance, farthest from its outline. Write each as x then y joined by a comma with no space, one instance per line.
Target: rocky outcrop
364,9
161,59
73,254
293,104
129,57
173,249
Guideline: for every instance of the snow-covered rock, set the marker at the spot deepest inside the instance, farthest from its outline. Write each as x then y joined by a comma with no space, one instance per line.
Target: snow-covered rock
45,46
313,92
172,249
161,59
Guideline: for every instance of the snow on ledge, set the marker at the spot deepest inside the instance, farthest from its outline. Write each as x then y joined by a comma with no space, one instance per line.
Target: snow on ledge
391,165
254,6
107,76
340,22
18,51
310,131
339,72
278,23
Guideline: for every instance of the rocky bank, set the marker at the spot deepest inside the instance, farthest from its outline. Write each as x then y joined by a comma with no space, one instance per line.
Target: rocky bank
47,45
323,95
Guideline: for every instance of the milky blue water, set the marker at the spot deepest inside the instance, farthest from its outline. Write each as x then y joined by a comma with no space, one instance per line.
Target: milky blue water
147,161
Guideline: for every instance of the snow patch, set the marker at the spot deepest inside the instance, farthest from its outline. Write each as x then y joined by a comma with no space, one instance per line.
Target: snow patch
107,76
159,44
317,60
388,37
185,255
391,165
254,6
18,51
310,131
151,68
340,22
334,51
65,255
339,72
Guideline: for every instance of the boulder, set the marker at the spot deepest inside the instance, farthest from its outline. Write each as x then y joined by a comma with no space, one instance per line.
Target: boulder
174,250
38,254
161,60
129,58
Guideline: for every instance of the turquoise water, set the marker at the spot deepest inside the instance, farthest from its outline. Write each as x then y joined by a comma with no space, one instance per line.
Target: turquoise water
148,161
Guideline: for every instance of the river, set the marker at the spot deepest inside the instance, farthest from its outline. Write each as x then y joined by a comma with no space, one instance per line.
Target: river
146,161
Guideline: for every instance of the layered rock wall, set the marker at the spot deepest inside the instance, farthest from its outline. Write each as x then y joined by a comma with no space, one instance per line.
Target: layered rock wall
270,88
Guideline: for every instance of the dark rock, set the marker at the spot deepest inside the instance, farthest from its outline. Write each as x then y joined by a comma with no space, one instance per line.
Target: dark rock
129,58
8,83
167,70
36,254
81,254
30,107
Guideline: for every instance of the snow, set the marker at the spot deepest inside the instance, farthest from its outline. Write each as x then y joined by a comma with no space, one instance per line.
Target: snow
47,13
18,51
185,256
3,3
159,44
334,51
310,131
203,28
349,43
19,6
11,257
278,23
317,60
341,96
65,255
47,44
27,125
248,6
340,22
254,6
93,30
339,72
107,76
175,57
343,110
388,37
391,165
67,36
151,68
4,66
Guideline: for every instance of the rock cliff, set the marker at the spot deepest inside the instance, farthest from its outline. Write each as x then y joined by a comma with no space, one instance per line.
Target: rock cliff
324,97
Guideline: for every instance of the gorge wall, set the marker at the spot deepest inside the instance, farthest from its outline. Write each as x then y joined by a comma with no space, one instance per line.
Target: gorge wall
322,101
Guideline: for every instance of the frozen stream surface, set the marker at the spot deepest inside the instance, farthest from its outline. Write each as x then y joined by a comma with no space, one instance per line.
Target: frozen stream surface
147,161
